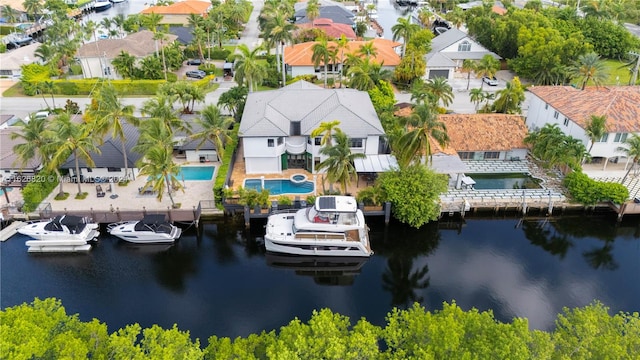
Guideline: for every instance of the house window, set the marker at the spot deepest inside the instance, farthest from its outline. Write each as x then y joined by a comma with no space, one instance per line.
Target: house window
295,128
620,137
270,143
318,141
107,71
604,138
89,170
464,46
111,169
566,122
491,155
546,106
555,115
355,143
280,140
468,155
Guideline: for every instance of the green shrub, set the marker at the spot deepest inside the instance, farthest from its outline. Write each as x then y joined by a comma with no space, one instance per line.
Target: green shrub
81,196
311,199
218,187
208,68
220,54
590,192
370,196
284,200
75,69
38,189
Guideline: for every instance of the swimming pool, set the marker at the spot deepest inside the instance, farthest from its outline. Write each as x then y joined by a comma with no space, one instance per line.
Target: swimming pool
279,186
505,181
8,189
197,173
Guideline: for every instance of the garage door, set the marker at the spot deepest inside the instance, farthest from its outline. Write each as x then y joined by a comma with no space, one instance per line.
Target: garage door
438,73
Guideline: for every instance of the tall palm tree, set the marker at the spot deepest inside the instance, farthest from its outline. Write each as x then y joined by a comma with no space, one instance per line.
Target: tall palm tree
595,128
153,133
233,100
468,66
158,164
33,8
248,68
161,107
215,127
280,31
441,90
36,139
368,50
327,129
476,96
10,15
424,126
632,150
510,98
124,64
151,22
366,74
339,163
487,66
110,114
589,67
73,138
321,54
313,11
404,29
341,46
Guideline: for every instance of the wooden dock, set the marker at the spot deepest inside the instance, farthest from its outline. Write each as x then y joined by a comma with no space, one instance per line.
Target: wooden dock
10,230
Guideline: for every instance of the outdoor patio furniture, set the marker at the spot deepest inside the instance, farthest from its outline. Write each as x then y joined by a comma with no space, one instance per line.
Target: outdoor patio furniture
99,191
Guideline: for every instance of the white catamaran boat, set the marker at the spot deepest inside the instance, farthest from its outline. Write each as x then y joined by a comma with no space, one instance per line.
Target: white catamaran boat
64,233
333,227
152,229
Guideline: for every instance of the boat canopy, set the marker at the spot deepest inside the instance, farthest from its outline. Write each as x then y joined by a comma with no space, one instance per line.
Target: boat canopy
336,204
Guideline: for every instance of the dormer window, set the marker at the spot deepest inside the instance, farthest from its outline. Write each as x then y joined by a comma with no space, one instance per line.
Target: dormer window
464,46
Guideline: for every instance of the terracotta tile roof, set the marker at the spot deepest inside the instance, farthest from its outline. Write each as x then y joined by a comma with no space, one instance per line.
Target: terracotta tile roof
137,44
621,104
479,132
498,10
180,8
332,29
300,54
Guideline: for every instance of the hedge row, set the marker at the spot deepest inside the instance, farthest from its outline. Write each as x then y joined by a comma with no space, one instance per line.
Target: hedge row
218,187
590,192
38,189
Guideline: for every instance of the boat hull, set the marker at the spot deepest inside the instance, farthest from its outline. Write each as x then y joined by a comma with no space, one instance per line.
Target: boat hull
127,231
102,6
38,232
294,246
145,238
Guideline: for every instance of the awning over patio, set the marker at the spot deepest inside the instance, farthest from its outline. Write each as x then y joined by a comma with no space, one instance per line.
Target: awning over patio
375,163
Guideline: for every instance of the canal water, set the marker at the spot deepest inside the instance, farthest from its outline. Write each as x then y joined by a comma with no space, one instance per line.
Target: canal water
221,282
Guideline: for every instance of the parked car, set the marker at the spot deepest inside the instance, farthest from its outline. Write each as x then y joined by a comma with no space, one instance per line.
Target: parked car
194,62
492,81
196,74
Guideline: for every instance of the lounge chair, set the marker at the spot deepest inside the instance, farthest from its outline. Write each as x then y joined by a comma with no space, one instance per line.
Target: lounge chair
99,191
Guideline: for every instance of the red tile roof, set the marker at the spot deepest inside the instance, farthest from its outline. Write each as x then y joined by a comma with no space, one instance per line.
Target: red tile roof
333,30
621,104
180,8
300,54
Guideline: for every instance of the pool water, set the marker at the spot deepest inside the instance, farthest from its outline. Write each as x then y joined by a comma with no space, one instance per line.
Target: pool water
192,173
8,190
279,186
504,181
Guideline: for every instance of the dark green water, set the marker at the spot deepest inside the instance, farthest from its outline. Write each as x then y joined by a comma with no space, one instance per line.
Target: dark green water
221,283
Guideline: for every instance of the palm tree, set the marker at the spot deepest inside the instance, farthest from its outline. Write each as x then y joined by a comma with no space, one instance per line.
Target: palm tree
366,74
110,115
424,126
589,67
341,45
73,138
233,100
36,139
368,50
632,150
215,127
441,90
151,22
476,96
510,98
313,11
404,29
424,16
468,66
321,54
153,133
124,64
595,128
33,8
161,107
327,130
158,164
248,68
10,15
280,31
339,163
488,66
456,17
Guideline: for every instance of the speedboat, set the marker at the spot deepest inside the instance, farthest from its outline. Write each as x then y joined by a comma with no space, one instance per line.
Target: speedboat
334,226
64,233
152,229
99,6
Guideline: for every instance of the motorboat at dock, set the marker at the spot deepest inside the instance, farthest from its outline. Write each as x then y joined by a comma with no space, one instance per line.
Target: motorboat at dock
152,229
64,233
334,226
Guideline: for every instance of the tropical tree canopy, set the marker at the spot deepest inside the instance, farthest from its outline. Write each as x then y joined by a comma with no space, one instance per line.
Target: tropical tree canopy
43,329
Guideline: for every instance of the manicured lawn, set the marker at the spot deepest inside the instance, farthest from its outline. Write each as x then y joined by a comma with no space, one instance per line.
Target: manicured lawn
618,74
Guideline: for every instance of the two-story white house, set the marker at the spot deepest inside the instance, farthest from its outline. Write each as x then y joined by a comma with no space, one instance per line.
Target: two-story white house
449,50
276,126
571,109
